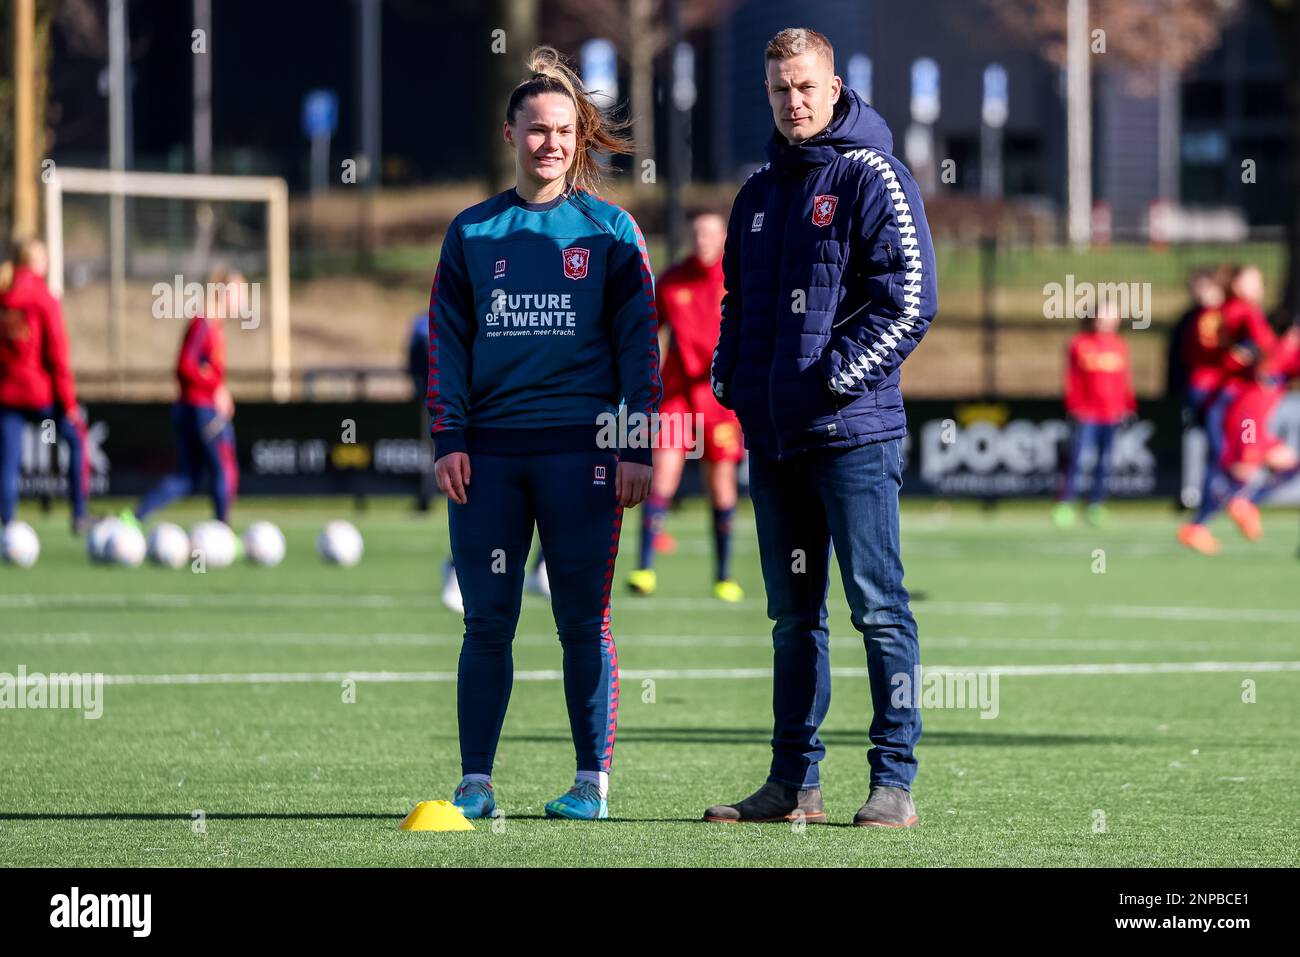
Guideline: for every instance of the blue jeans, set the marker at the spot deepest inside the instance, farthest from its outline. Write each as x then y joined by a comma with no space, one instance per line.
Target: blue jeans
1098,436
848,497
12,423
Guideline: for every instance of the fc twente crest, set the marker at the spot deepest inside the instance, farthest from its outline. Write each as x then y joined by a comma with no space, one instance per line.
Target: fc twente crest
824,209
575,262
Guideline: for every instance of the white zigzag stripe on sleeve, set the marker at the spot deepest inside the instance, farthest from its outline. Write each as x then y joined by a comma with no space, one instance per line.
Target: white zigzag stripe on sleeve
890,338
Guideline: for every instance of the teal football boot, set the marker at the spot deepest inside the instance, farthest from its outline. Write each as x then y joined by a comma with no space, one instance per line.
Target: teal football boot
475,799
582,802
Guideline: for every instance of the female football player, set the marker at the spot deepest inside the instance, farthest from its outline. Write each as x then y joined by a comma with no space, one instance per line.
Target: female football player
1098,397
688,301
1256,461
204,411
1228,346
541,319
36,381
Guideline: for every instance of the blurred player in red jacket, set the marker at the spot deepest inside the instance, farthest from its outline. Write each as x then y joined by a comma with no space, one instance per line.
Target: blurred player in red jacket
1255,460
1223,350
689,302
36,381
1098,396
204,411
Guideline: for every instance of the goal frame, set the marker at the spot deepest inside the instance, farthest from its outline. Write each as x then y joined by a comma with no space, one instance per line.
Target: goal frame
271,190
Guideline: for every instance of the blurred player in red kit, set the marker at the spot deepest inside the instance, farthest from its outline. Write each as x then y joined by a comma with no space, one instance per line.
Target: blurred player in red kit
1192,364
204,412
36,381
1098,396
689,304
1223,351
1255,460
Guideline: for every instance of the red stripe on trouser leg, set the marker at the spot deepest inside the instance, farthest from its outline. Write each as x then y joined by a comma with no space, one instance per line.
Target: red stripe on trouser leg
84,477
608,759
607,636
229,468
433,392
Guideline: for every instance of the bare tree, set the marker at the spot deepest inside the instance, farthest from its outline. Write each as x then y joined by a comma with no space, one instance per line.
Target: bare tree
1138,34
83,27
1141,34
517,21
1149,42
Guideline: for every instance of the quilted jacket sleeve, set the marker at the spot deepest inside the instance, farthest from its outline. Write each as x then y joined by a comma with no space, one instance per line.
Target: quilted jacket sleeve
867,347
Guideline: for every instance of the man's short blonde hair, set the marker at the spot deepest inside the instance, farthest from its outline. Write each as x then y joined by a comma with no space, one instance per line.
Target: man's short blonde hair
793,41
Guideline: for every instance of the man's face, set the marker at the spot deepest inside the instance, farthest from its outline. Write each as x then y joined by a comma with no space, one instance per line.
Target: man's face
802,91
709,235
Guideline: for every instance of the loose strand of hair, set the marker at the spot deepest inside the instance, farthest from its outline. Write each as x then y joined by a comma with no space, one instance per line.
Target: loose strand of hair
598,133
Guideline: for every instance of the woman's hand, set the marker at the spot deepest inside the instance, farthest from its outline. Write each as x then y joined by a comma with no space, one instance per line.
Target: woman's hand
452,473
224,403
632,483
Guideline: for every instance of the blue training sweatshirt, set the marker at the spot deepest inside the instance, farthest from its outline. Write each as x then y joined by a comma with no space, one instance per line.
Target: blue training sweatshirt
541,318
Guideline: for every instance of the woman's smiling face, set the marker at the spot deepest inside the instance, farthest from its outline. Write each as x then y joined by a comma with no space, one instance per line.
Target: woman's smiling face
544,136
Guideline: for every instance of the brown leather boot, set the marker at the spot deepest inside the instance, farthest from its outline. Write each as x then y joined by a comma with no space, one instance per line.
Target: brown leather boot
772,802
887,807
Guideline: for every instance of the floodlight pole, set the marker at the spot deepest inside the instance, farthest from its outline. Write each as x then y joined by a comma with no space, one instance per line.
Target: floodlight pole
676,136
1079,124
202,100
203,89
117,202
370,98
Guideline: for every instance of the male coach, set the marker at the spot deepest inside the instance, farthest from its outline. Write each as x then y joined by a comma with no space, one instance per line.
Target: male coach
830,284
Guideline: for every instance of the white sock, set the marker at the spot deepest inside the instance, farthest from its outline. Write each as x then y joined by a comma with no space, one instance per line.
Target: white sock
480,778
598,778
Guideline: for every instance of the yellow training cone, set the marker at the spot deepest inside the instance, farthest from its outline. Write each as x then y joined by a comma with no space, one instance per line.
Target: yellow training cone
435,816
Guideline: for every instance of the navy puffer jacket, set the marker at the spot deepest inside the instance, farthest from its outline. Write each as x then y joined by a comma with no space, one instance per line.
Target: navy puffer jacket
830,284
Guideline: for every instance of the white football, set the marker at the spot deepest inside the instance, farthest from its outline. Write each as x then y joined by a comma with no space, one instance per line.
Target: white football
101,533
20,544
340,544
264,544
126,546
169,545
216,543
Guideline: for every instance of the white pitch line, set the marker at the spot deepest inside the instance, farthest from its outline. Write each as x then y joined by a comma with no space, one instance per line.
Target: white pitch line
994,609
688,674
756,640
213,599
983,609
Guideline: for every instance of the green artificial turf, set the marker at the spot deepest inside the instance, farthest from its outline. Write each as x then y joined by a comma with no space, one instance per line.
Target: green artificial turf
1130,769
